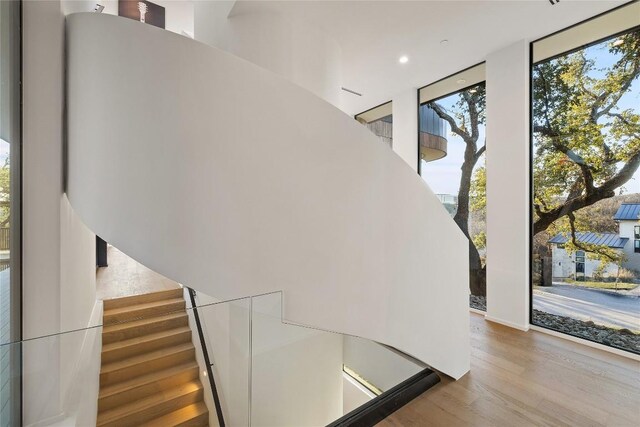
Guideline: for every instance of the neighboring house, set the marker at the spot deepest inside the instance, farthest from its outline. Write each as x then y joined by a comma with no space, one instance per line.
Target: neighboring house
628,218
579,265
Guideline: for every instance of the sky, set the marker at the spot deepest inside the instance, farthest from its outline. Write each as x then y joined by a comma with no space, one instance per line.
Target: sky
443,176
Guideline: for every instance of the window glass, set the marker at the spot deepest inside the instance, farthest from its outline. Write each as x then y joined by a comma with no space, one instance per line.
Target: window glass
10,331
452,161
586,182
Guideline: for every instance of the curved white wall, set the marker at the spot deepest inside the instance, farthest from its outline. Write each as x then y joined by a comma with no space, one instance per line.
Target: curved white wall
230,179
297,51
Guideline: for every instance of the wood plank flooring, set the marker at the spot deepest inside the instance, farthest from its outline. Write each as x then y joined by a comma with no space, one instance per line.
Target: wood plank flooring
125,277
530,379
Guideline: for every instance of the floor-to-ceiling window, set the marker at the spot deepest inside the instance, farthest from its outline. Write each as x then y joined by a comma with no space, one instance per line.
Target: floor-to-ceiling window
379,120
10,321
452,145
585,95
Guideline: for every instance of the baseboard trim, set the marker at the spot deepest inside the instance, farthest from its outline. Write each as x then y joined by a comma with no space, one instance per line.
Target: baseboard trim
476,311
587,343
524,328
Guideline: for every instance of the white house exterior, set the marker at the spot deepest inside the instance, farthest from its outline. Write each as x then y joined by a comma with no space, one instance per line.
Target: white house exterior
578,264
628,217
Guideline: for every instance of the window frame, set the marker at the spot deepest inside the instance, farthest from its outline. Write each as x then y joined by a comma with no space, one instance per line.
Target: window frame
531,149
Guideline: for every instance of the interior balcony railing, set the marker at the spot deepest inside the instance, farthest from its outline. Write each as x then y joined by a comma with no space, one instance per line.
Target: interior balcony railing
251,369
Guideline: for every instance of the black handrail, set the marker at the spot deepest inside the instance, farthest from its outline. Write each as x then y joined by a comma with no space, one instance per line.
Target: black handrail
207,361
380,407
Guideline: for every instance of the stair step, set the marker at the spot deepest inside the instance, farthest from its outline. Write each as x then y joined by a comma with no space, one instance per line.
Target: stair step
142,364
142,311
145,385
153,406
137,328
195,415
113,303
145,343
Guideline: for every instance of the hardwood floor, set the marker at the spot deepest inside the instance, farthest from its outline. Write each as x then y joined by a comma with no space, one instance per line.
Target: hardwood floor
125,277
530,379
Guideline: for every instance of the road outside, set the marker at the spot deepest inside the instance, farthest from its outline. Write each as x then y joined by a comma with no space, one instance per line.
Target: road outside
608,308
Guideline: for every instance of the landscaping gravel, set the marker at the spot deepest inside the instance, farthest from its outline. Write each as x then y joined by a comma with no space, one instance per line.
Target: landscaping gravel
620,338
479,303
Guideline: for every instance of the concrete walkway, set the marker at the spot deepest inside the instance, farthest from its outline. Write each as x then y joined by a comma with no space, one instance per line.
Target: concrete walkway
601,307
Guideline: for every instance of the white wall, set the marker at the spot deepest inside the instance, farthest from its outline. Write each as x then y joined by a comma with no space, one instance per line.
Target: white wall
633,258
508,185
354,394
58,250
296,372
297,51
405,126
77,270
316,208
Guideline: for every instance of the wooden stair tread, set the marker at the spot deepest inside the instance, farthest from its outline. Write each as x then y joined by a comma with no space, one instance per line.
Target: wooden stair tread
183,417
145,379
145,357
145,310
149,402
149,373
144,338
112,303
142,322
137,307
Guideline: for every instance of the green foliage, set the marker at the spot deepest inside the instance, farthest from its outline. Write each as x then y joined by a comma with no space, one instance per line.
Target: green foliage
587,147
5,194
478,193
480,239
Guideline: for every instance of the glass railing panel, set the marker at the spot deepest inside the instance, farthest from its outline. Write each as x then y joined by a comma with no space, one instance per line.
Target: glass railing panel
63,377
226,333
59,380
306,376
265,371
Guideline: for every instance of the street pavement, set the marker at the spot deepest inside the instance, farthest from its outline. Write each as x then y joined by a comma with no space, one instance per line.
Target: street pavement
600,306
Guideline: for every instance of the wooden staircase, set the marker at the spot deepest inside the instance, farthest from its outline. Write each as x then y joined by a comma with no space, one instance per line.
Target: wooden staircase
149,375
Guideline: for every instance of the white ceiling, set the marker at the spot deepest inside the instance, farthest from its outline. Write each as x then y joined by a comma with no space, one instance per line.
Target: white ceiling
374,34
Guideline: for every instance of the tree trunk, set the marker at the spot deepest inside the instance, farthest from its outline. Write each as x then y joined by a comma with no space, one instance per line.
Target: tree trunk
477,273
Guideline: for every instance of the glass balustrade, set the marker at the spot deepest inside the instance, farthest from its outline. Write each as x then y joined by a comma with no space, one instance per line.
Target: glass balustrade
266,371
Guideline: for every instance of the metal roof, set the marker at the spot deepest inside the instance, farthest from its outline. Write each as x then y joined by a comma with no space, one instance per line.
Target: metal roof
628,211
608,239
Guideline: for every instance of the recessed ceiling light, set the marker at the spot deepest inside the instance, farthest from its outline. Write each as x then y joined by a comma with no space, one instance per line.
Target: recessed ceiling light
444,41
618,42
461,81
403,59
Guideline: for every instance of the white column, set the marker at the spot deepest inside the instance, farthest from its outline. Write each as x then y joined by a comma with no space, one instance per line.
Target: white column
508,186
405,126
